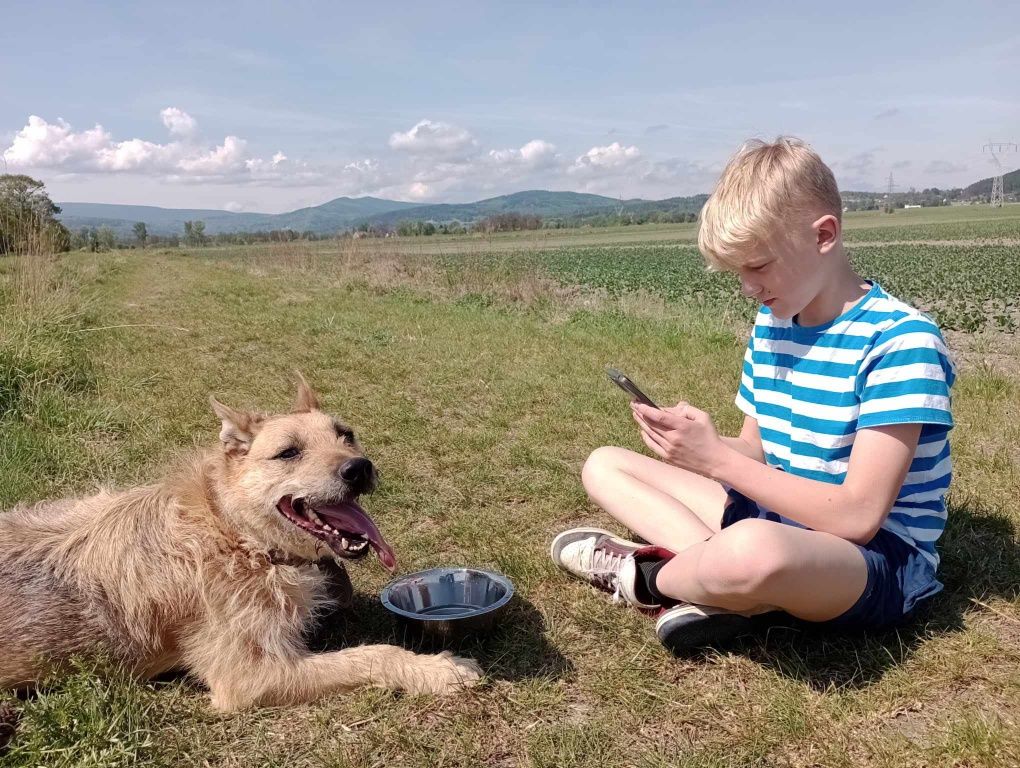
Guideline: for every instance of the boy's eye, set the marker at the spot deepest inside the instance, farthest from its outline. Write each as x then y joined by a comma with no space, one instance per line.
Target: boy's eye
288,453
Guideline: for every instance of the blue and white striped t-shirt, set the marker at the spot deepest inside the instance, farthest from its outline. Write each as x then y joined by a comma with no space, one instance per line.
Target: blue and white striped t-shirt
880,363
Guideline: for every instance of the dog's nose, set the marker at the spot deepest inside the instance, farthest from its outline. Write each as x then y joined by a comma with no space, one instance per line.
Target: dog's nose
356,472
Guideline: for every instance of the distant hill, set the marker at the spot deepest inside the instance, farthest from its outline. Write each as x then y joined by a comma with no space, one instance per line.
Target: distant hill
333,216
573,207
532,203
346,213
1010,183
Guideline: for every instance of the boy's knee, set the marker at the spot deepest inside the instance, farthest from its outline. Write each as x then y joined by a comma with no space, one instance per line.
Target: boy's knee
742,558
601,461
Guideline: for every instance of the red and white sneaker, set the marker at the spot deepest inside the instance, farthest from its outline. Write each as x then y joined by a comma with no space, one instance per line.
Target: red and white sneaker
605,561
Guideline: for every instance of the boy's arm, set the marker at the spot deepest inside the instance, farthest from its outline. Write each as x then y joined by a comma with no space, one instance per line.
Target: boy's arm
853,510
748,442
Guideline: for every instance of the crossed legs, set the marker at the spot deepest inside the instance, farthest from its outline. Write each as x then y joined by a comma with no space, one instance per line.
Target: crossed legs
750,566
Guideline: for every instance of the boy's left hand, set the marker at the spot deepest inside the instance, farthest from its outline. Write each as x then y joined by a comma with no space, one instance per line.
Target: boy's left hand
682,435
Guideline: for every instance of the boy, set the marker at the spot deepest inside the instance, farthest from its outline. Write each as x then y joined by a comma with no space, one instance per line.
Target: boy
828,504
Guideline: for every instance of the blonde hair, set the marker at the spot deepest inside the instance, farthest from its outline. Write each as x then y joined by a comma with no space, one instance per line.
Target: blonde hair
763,185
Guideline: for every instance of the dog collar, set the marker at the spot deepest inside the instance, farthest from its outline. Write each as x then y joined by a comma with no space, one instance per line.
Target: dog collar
276,557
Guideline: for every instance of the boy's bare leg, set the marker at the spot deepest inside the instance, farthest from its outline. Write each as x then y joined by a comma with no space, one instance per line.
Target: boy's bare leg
758,563
666,505
751,566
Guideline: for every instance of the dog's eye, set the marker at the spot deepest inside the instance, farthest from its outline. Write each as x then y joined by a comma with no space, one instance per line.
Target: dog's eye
289,453
345,434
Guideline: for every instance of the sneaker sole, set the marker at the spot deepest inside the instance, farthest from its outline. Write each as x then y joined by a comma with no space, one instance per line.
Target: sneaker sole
565,538
706,631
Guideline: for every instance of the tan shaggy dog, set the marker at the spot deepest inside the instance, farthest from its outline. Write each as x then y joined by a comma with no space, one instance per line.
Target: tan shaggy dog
213,570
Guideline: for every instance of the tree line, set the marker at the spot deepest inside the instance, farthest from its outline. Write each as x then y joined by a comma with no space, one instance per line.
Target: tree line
28,221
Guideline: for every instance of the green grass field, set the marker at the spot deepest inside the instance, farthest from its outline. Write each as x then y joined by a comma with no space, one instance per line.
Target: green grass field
474,377
951,223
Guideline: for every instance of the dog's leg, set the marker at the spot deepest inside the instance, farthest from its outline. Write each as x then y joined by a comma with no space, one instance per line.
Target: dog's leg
338,583
273,681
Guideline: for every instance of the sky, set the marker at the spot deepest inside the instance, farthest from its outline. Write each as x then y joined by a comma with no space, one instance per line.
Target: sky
271,107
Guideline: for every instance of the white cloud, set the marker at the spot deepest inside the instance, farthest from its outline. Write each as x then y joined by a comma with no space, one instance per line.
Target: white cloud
431,161
233,206
178,122
56,146
419,191
430,138
227,158
677,171
41,144
132,155
363,175
535,154
609,160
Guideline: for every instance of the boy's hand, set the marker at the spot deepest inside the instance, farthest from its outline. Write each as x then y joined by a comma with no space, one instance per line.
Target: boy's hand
682,435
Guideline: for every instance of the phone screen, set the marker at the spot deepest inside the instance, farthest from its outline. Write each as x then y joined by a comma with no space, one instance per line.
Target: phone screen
629,387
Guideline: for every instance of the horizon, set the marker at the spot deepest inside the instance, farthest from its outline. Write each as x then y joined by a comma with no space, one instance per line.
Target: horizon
467,202
287,109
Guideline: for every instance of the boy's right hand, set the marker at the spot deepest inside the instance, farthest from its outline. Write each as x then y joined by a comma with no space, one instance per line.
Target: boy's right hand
682,435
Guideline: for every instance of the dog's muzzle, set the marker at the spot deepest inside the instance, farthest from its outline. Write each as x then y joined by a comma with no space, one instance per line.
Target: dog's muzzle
342,524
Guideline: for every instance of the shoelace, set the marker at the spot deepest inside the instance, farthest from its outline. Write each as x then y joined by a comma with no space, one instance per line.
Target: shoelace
604,570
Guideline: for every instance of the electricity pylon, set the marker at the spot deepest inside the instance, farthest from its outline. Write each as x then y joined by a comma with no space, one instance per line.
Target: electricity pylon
996,148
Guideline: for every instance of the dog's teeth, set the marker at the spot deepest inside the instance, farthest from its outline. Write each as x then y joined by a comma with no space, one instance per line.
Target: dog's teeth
344,543
314,517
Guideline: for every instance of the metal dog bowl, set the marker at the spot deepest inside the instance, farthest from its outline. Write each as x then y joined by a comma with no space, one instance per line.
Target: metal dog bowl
448,602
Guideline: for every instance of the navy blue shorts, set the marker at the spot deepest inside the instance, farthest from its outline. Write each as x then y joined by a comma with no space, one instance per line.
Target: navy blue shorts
900,580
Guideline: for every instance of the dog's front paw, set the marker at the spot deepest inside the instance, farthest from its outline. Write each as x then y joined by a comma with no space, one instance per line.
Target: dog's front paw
442,673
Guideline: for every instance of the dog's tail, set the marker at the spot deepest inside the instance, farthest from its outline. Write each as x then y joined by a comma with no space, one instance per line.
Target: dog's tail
9,717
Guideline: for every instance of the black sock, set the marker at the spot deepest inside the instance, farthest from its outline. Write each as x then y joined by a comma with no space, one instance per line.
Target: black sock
646,590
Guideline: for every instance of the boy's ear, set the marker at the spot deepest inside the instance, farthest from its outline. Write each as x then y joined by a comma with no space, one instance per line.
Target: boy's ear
238,430
827,229
306,399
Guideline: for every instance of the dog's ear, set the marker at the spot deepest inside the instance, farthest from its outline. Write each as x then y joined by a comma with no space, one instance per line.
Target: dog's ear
306,399
239,428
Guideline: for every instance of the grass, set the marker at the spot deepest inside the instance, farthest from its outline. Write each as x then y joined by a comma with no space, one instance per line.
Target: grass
479,393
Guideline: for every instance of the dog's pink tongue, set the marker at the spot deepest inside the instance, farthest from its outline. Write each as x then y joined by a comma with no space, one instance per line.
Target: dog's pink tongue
350,517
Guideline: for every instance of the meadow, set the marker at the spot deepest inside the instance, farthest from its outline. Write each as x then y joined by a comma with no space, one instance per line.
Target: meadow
472,369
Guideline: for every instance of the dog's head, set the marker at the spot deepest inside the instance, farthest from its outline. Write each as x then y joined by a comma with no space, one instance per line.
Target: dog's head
293,480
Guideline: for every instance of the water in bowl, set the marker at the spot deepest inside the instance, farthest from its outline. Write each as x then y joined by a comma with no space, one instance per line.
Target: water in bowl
448,610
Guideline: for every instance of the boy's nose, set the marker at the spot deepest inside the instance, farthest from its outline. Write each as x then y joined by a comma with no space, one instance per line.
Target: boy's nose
749,289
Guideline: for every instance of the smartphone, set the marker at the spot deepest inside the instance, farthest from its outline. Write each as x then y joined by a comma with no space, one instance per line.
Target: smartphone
629,387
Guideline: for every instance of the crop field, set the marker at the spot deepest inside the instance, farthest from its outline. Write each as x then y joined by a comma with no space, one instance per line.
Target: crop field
966,223
963,287
472,370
